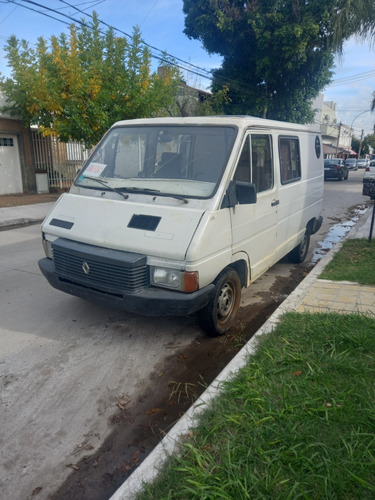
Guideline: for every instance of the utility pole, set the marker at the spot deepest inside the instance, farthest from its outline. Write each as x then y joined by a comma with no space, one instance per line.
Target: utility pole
360,146
338,140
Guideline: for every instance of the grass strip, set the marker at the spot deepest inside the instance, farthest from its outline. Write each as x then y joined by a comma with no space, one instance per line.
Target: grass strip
298,421
354,262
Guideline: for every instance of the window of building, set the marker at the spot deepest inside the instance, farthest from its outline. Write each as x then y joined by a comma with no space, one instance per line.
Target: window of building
6,141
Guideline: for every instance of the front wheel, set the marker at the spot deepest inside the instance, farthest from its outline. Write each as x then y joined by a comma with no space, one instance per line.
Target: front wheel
220,313
299,253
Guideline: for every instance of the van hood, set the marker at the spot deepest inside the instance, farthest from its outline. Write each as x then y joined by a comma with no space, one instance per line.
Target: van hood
159,230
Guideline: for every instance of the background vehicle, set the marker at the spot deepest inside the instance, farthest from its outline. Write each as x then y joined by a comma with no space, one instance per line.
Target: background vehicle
335,168
351,163
369,180
362,163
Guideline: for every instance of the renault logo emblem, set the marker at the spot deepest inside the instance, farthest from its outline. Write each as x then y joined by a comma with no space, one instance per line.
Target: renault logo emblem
85,267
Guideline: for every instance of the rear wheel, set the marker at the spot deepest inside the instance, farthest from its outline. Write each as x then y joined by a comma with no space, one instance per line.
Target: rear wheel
220,313
298,254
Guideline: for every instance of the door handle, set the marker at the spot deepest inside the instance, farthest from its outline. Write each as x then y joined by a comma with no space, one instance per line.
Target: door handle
274,203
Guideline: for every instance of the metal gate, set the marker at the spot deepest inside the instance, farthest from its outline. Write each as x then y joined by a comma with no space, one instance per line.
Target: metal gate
61,160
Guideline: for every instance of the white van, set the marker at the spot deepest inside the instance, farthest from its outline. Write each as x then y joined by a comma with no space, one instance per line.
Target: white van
173,216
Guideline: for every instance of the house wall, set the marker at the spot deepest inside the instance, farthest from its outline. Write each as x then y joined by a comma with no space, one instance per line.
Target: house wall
10,126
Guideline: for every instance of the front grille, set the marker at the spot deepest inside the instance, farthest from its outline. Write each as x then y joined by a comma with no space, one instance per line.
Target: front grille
110,271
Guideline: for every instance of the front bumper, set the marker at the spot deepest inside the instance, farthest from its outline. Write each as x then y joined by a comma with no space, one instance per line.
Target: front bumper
151,301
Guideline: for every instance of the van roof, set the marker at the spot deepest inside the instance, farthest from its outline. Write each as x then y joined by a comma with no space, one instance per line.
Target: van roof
232,120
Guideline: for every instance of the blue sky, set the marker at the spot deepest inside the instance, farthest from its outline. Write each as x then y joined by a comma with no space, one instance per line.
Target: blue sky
162,23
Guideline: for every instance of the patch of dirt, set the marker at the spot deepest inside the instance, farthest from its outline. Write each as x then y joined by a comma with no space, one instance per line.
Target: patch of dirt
174,385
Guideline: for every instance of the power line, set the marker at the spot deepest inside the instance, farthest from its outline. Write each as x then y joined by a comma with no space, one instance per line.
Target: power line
10,13
92,3
353,78
142,41
197,71
161,58
38,11
161,55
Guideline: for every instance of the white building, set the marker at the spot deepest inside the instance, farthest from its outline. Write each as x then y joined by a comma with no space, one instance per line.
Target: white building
336,136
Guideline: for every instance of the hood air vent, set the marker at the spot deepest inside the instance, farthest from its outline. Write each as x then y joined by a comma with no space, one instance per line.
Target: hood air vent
62,223
145,222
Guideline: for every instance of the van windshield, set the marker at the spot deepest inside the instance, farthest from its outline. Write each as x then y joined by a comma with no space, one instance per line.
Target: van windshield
168,160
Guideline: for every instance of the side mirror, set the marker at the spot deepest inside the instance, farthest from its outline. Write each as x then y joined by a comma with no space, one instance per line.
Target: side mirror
239,193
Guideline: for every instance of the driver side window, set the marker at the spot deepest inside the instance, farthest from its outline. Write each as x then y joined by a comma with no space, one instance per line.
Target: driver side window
255,163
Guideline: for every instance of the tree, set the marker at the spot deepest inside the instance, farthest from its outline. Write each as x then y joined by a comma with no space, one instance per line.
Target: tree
353,18
370,140
367,142
77,86
277,54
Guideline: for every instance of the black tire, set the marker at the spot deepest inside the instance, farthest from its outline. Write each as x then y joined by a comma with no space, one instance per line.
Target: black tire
298,254
220,313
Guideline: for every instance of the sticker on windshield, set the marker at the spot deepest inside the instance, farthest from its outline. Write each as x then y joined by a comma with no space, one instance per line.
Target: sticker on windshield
94,169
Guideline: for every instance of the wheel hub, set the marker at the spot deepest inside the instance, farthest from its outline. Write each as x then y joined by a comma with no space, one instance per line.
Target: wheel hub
225,301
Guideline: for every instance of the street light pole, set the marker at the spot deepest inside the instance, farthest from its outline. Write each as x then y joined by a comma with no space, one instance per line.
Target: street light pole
351,126
362,112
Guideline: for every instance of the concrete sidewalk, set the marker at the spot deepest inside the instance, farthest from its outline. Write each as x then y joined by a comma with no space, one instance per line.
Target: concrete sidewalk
339,297
342,297
23,214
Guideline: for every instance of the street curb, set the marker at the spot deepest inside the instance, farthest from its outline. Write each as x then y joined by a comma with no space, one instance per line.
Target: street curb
16,223
150,467
24,215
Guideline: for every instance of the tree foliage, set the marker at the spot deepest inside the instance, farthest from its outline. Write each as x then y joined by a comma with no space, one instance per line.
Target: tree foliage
77,86
367,143
277,54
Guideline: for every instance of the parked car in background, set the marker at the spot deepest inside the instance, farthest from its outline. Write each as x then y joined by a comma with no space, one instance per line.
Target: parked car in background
368,188
351,163
335,168
362,163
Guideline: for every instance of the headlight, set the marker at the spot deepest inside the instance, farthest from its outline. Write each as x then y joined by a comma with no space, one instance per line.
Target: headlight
47,246
174,279
166,277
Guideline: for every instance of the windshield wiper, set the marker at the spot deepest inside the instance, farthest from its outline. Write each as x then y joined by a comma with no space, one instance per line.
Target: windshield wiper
105,183
134,189
178,197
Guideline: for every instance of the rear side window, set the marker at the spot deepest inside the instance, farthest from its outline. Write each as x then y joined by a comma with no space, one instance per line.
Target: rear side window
290,161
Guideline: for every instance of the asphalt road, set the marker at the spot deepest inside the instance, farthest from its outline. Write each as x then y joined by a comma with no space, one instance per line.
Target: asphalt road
71,372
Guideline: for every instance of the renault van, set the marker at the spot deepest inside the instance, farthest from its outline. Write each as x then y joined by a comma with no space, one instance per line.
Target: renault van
174,216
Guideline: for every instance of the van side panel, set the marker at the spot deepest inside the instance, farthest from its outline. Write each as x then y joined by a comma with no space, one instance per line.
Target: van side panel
299,201
254,229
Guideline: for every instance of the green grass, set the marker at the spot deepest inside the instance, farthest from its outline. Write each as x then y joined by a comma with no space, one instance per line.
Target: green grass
298,421
354,262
